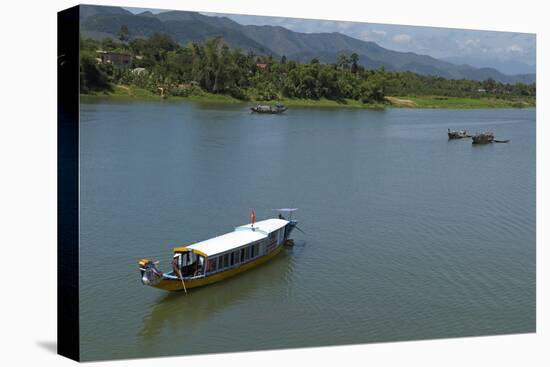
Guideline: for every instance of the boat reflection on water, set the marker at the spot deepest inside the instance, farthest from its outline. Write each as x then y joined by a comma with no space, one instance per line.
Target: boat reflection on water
177,315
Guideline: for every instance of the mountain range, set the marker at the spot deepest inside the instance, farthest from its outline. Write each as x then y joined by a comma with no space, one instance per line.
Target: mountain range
183,26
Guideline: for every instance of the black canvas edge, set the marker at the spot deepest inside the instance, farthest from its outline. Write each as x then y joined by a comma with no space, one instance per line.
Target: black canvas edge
68,70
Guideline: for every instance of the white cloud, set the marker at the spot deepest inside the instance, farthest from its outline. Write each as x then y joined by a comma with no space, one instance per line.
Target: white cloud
371,35
514,49
469,44
472,43
340,25
402,38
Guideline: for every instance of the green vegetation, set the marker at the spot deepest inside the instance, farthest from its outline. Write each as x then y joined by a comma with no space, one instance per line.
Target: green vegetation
133,92
158,66
125,92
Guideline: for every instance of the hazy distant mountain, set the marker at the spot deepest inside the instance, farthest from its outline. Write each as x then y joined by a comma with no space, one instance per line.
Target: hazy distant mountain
509,67
184,27
90,10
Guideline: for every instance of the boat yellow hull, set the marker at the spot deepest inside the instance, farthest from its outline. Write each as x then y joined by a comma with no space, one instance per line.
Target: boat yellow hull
176,284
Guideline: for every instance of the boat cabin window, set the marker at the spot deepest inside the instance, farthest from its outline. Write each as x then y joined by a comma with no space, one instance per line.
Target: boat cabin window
247,253
254,250
225,260
212,265
190,264
232,258
201,266
242,254
220,262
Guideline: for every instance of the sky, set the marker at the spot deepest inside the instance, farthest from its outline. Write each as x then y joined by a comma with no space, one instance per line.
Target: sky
511,53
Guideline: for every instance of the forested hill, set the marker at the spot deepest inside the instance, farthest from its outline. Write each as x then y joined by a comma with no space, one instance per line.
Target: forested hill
99,22
158,66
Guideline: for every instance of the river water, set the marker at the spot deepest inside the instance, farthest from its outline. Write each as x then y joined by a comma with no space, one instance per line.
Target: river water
408,236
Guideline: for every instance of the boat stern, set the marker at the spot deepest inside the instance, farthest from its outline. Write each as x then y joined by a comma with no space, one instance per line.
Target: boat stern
291,225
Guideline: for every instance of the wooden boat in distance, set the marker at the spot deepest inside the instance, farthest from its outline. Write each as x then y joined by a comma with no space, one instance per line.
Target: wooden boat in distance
220,257
278,108
457,134
483,138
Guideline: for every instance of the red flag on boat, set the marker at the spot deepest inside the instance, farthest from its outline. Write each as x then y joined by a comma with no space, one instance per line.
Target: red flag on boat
252,217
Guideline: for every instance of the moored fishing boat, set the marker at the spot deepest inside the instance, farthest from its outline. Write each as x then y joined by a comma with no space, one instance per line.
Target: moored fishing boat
221,257
278,108
457,134
483,138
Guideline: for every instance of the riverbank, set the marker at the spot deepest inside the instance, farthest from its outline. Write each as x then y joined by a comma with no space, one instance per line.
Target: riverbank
457,102
129,92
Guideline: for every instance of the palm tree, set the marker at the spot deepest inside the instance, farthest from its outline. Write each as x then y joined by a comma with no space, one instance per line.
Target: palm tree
354,60
343,62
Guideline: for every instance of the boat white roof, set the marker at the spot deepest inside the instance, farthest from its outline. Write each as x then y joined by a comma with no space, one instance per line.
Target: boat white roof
242,236
268,225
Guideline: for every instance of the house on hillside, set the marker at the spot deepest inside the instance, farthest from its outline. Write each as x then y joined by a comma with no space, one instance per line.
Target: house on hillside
114,58
261,65
139,71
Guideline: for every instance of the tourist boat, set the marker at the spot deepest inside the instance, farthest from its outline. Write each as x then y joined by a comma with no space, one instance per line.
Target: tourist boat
278,108
221,257
457,134
483,138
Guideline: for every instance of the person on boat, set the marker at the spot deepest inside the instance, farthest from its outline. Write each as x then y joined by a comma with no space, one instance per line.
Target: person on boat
198,266
281,216
201,264
175,264
197,269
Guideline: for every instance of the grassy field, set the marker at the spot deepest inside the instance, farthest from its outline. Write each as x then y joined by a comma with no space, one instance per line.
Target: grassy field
323,102
130,92
124,92
456,102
